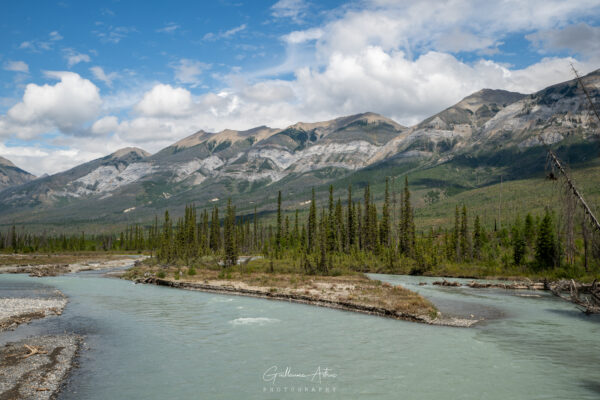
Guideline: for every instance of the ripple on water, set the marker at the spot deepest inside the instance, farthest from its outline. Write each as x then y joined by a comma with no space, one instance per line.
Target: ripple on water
253,321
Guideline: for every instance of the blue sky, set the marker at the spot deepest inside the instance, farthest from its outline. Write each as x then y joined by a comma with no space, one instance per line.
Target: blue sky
82,79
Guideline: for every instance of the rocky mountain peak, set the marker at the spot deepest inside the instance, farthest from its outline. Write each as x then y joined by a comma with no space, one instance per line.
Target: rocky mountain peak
6,163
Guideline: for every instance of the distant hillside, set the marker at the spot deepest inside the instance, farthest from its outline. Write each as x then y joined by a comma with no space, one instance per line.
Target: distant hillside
11,175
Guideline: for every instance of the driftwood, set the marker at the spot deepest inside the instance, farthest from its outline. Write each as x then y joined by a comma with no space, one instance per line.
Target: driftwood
33,350
589,304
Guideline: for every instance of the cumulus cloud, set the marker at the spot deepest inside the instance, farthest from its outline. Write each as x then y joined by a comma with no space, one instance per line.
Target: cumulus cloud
165,101
38,160
188,71
16,66
395,58
297,37
99,74
581,39
105,125
65,106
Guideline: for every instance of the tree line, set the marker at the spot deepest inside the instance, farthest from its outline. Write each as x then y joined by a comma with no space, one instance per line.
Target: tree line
355,233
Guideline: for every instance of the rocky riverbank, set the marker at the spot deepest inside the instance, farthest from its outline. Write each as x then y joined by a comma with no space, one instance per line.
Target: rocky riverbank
16,311
35,368
54,269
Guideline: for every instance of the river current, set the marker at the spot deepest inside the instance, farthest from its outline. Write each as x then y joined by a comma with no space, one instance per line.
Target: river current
149,342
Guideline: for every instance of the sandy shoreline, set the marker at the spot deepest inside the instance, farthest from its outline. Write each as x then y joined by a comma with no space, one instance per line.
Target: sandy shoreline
230,289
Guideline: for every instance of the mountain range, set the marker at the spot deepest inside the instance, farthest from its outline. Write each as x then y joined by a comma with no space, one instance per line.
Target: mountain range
487,135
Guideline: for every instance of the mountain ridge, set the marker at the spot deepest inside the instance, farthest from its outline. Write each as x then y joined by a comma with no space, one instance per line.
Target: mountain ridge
494,125
11,175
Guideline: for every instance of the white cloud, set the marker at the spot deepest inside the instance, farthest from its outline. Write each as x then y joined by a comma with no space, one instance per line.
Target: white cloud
38,46
105,125
293,9
393,57
169,28
165,101
224,35
16,66
39,161
55,36
74,57
297,37
188,71
65,105
581,39
113,34
103,76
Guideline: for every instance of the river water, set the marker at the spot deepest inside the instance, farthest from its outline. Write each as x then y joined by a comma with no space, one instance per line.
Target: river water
149,342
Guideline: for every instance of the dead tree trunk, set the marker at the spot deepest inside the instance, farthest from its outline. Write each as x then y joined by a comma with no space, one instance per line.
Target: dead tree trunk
593,220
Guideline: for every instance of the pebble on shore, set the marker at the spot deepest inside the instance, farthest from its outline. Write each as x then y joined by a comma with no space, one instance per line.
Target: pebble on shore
39,375
15,311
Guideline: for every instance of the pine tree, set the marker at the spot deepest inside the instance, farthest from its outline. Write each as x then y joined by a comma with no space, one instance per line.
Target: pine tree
366,226
229,237
384,231
13,239
518,241
351,221
465,240
215,231
407,228
278,236
456,235
165,253
546,249
331,228
477,238
255,230
312,224
529,230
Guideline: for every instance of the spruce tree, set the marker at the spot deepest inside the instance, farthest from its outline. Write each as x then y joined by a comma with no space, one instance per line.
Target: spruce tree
229,239
384,231
529,230
546,249
477,238
278,236
406,229
465,240
351,222
331,228
456,235
518,242
312,224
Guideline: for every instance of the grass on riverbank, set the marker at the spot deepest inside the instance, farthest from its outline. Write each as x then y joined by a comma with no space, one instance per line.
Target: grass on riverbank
282,278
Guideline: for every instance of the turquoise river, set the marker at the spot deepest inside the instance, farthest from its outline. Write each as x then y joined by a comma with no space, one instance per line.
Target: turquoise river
149,342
